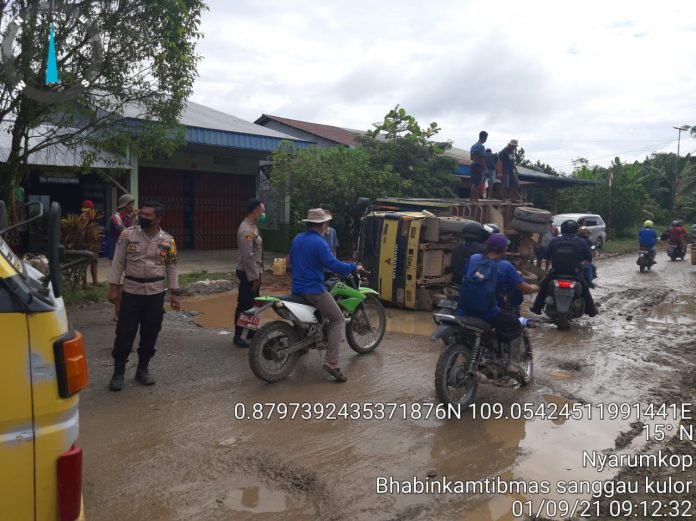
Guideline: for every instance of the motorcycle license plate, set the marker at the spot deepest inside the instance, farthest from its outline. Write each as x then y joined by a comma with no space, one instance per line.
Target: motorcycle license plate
248,321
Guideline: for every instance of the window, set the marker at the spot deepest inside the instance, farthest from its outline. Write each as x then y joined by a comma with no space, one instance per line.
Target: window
590,222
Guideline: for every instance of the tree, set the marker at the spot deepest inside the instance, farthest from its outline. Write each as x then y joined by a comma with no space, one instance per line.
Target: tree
671,180
400,144
335,175
140,63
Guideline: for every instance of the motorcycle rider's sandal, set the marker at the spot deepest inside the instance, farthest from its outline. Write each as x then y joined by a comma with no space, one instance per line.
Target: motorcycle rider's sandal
336,373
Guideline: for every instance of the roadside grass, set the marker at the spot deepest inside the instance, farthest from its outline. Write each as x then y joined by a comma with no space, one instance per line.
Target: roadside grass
623,245
99,294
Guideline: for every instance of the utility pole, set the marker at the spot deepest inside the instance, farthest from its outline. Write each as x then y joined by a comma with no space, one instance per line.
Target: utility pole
676,173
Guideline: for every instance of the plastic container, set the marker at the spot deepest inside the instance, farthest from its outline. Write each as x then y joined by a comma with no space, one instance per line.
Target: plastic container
279,266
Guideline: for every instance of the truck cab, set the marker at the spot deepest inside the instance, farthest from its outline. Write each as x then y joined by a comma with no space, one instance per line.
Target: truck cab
42,370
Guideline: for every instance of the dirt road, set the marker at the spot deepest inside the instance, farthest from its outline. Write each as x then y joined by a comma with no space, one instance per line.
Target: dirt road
184,449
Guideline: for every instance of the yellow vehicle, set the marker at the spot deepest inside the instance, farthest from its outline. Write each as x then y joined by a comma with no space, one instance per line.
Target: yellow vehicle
42,370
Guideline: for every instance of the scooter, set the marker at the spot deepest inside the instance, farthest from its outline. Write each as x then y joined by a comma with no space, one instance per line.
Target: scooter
676,250
565,301
645,259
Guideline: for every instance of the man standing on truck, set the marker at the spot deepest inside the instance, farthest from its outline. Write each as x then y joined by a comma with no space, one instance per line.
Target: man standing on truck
144,254
491,162
478,166
510,185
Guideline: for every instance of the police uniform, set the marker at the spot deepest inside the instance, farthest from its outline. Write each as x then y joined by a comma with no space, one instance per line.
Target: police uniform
249,268
143,262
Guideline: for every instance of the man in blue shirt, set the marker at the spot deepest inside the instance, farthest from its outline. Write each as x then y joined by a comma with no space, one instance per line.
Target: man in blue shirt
507,278
648,237
478,166
309,256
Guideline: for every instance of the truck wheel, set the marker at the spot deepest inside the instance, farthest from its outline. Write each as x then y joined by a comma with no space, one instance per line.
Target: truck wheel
533,215
527,226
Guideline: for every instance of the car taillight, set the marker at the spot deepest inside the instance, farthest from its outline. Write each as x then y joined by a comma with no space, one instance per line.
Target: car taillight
70,484
564,284
71,365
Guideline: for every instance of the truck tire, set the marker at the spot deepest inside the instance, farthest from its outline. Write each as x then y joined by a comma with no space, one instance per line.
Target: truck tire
526,226
533,215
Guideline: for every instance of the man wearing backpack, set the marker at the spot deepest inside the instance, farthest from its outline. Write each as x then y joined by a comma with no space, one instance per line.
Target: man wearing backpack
567,253
485,276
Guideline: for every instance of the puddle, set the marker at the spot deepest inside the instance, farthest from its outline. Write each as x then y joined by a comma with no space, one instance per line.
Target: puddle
260,500
551,451
217,312
681,314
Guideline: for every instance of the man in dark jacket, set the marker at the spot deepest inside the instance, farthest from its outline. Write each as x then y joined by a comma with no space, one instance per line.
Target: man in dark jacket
567,253
474,236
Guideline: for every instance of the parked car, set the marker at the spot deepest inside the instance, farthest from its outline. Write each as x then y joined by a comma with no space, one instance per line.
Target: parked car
598,230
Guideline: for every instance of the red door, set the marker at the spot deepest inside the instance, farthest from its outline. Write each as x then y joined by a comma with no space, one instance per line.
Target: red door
167,187
219,208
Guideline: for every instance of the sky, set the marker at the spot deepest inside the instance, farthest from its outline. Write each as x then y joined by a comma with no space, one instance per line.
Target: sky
566,79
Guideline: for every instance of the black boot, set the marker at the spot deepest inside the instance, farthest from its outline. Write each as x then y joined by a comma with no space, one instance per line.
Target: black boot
142,374
116,383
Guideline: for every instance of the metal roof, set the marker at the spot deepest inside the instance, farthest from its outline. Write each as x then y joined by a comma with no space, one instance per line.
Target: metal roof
207,126
339,135
58,154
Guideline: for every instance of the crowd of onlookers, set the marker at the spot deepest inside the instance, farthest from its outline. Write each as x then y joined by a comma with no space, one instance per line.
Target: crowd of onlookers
487,167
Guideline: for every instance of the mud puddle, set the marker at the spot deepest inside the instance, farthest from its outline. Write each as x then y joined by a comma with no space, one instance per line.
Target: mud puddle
680,313
217,312
550,451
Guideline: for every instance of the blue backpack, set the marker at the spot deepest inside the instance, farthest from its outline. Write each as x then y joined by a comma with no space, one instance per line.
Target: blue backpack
478,290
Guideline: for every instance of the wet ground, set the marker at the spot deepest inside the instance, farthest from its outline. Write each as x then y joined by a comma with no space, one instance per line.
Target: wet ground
190,448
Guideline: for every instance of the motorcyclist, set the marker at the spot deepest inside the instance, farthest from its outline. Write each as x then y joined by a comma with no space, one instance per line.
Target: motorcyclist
473,237
647,238
677,235
588,267
505,322
567,253
309,256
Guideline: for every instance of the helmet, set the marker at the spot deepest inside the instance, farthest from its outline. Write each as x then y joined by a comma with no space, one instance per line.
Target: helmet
584,231
473,231
648,224
676,223
681,223
492,228
569,228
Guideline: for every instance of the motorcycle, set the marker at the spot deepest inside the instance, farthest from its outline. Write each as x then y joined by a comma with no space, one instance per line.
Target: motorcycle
474,354
276,346
676,250
645,260
565,301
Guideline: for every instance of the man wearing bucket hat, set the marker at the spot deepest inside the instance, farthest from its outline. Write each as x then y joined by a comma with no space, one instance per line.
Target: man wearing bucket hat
122,219
510,185
310,255
486,276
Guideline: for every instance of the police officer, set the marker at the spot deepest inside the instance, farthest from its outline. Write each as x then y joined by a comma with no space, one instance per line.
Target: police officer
144,254
250,265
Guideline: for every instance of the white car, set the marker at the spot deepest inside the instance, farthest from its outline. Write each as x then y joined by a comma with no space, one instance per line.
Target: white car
598,230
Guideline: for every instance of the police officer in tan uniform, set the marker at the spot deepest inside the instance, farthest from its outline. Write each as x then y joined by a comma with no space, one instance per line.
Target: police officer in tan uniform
144,254
250,265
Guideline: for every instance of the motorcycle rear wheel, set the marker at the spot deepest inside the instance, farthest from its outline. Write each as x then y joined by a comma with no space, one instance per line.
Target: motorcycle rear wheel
451,377
642,268
270,337
562,322
367,326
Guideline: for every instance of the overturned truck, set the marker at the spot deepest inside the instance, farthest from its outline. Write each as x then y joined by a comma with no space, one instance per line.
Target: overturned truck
407,244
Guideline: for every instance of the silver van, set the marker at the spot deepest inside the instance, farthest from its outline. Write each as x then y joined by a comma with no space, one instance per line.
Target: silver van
598,230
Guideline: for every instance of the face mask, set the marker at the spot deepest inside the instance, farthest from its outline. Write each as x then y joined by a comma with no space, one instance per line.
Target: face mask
145,223
262,218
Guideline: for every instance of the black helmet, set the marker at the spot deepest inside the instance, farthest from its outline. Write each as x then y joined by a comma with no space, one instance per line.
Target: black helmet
569,228
473,231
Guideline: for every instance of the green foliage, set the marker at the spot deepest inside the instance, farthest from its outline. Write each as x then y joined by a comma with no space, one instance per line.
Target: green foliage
336,175
630,201
148,71
80,232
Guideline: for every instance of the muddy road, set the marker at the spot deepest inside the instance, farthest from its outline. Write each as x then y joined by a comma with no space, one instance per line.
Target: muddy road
190,448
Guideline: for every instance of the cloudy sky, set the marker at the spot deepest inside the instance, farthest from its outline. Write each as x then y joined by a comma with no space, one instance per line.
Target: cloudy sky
567,79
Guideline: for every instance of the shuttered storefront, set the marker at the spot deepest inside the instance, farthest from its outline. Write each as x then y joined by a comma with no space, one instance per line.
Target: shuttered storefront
203,209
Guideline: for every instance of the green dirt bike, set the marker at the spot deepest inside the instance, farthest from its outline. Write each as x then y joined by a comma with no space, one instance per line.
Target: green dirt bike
276,346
